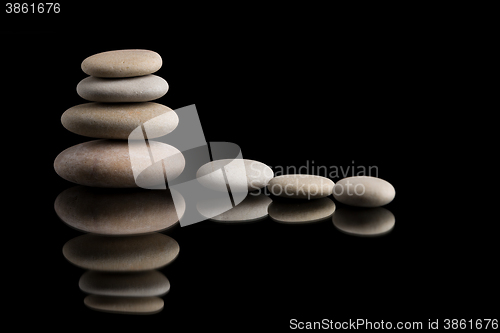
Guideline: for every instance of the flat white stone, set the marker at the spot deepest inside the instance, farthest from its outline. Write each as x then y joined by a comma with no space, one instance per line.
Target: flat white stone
122,63
364,221
242,175
301,211
125,305
137,284
121,254
364,191
119,211
132,89
253,207
301,186
118,120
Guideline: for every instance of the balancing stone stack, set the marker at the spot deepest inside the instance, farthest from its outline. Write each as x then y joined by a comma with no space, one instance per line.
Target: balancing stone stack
122,276
121,86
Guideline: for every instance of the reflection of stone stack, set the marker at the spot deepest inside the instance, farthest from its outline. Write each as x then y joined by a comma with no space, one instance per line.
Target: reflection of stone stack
122,276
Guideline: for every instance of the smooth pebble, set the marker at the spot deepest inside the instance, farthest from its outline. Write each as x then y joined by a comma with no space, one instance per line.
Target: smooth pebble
131,89
137,284
364,191
121,254
301,186
122,63
242,175
119,211
107,163
118,120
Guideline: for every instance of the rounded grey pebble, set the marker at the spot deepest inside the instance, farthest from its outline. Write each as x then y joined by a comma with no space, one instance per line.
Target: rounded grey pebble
364,191
139,284
300,186
132,89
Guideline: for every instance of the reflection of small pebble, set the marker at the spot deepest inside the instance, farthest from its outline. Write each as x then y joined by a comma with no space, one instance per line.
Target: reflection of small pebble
125,305
364,221
138,284
301,211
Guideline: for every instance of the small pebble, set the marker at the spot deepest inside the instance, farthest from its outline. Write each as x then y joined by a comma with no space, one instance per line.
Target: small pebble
242,175
301,186
364,191
122,63
132,89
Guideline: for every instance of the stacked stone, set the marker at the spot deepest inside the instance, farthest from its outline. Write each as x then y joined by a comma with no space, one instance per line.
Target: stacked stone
122,274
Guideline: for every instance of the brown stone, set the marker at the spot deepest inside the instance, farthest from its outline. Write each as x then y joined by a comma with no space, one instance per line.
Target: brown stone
107,163
118,120
122,63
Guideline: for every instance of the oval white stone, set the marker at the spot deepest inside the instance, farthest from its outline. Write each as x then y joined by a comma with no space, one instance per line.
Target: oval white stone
364,191
242,175
301,186
132,89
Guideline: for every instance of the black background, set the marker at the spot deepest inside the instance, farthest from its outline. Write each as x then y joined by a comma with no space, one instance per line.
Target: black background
333,86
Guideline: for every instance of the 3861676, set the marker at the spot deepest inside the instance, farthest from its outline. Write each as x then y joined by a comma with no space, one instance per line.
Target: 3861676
34,8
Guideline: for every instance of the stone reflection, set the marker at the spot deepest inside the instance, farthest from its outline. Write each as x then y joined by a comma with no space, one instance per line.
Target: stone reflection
130,284
364,222
121,254
127,293
124,305
252,208
297,211
119,211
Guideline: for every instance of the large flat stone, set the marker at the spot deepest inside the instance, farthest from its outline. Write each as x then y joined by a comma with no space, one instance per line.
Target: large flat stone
107,163
118,120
